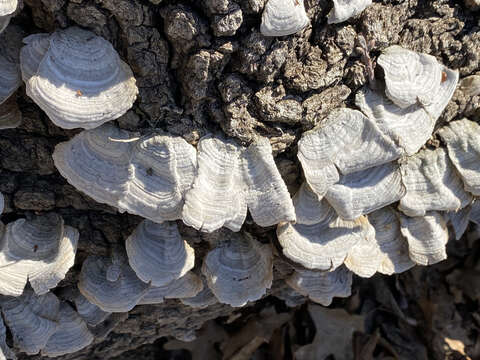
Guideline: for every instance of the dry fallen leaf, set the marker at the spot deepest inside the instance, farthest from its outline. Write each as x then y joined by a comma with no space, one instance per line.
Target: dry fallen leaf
335,328
257,331
203,347
458,346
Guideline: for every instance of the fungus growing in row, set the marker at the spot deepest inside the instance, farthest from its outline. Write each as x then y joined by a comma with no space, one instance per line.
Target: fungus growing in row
147,176
283,17
322,287
71,335
110,283
187,286
232,178
410,126
239,269
157,253
345,9
32,319
40,250
78,62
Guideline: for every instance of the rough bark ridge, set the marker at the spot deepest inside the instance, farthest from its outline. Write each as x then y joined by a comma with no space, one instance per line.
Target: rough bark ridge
202,66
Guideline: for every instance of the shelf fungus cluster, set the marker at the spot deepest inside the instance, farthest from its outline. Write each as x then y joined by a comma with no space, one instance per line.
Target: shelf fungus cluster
359,165
43,323
77,78
162,178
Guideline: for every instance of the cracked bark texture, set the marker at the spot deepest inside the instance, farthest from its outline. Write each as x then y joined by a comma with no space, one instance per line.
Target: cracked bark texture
202,66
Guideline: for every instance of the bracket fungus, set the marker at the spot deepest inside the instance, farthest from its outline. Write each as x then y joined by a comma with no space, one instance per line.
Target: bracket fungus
320,240
409,127
432,183
157,253
40,250
462,138
283,17
239,269
31,319
187,286
345,9
203,299
71,335
322,287
32,54
410,77
392,244
345,142
427,237
232,178
89,312
364,191
81,82
5,351
110,283
147,176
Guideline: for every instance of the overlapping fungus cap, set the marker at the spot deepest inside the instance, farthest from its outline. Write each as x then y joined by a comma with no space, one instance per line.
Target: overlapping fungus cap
345,9
89,312
418,89
157,253
110,283
41,250
32,319
343,143
239,269
146,176
320,239
427,237
81,81
283,17
365,191
462,138
32,54
232,178
71,335
432,183
392,244
187,286
322,287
